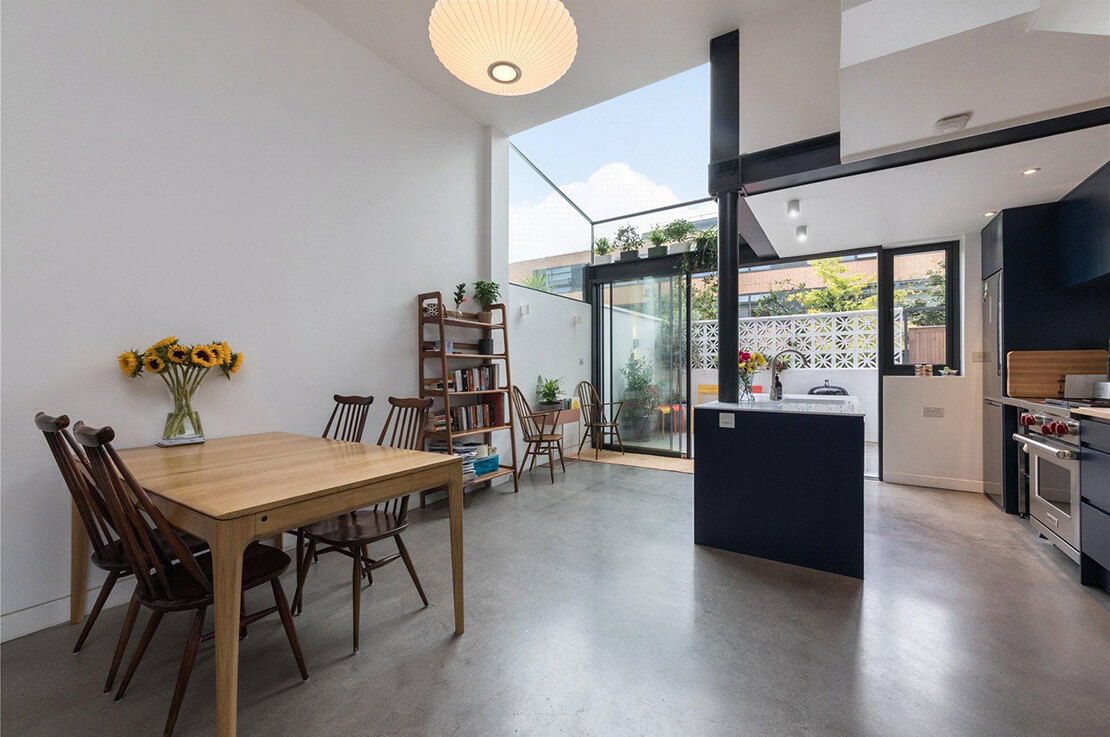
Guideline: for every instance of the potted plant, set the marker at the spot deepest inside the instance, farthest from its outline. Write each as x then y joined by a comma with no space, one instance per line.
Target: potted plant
548,391
627,240
641,397
182,368
460,297
658,240
603,251
486,293
679,234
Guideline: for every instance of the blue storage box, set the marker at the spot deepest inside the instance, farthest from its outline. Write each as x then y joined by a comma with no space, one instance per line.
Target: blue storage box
489,464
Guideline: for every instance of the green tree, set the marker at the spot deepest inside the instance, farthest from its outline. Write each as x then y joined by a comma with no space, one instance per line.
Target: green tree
925,301
536,280
842,292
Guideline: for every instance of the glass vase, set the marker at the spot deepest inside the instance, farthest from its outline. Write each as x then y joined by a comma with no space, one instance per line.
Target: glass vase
183,423
746,393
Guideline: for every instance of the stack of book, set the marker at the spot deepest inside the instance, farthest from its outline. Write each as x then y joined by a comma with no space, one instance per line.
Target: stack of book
468,452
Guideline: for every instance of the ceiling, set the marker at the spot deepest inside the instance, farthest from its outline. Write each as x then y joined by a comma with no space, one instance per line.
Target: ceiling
622,45
932,200
1003,72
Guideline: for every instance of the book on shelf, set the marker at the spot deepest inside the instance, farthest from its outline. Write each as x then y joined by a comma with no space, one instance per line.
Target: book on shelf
469,417
467,451
478,378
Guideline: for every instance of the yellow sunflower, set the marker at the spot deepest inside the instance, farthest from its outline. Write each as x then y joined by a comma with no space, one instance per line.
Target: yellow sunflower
163,343
129,363
236,363
225,352
154,364
178,354
202,355
218,353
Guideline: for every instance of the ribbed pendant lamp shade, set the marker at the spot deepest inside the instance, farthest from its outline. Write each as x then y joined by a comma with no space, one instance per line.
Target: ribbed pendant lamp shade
504,47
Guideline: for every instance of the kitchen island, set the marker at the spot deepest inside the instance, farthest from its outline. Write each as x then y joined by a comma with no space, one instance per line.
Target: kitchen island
782,480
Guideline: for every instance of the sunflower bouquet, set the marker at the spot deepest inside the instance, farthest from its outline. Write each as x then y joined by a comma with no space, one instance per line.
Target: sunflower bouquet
182,368
750,362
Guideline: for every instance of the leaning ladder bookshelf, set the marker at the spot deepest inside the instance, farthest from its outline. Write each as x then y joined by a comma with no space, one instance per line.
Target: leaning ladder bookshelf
437,365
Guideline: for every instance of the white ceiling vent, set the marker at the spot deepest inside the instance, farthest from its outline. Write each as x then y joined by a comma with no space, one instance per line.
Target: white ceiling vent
952,123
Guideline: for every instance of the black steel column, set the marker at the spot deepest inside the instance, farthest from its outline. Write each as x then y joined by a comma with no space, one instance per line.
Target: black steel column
724,144
728,307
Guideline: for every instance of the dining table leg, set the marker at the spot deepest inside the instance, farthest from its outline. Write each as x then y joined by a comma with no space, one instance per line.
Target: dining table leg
227,546
78,565
455,517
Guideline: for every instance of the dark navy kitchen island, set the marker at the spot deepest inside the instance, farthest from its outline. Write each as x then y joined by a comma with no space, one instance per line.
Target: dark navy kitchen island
782,480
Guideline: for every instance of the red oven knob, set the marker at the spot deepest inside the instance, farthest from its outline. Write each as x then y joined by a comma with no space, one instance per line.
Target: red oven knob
1060,428
1027,420
1046,429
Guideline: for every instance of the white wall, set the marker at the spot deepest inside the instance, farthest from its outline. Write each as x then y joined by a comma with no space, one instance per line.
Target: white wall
238,170
547,342
790,76
944,452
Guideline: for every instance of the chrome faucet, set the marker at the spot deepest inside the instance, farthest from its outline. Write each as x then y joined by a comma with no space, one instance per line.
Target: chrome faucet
776,385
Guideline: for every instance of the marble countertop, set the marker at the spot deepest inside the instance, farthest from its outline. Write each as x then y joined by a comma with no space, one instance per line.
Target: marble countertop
804,404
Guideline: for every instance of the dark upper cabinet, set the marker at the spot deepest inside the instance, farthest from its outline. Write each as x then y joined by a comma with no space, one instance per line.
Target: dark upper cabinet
992,246
1084,227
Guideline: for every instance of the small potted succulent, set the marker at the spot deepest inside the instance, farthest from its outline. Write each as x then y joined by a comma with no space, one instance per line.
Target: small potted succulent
603,251
460,297
627,240
680,234
657,237
486,293
548,391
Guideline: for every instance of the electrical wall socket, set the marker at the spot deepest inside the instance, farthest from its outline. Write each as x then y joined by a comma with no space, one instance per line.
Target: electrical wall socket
933,412
726,419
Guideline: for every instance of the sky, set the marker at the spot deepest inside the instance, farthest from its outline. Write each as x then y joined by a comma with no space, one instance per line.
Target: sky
645,149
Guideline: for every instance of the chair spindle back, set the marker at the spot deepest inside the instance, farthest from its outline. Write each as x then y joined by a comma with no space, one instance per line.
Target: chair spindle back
130,508
348,419
404,428
87,497
528,425
590,401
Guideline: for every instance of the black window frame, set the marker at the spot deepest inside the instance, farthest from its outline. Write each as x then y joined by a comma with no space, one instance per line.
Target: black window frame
951,251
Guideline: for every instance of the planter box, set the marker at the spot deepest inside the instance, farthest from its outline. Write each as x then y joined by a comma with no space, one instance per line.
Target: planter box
630,255
683,247
603,259
657,251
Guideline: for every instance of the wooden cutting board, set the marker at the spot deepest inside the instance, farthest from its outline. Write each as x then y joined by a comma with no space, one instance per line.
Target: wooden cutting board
1040,374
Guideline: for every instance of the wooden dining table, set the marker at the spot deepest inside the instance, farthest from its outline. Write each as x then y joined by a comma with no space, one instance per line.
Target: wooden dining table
232,491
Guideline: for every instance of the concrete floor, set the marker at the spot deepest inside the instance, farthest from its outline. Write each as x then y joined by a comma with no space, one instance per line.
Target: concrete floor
590,612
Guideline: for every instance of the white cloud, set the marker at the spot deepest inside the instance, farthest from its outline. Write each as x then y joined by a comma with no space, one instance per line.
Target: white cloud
551,226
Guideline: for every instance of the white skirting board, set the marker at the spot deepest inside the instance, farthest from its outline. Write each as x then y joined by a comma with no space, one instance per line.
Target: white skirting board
934,482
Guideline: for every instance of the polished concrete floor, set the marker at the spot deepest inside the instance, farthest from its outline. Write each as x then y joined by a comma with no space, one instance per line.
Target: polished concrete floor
591,612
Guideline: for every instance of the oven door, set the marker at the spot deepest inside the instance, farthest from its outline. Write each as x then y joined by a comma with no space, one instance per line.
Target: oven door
1053,469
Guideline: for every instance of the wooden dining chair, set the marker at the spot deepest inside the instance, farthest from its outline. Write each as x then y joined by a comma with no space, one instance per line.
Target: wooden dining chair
163,585
539,438
600,418
107,551
351,534
347,422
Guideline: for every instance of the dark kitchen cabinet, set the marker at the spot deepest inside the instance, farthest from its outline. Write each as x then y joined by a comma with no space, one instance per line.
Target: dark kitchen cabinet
992,247
1084,227
1094,511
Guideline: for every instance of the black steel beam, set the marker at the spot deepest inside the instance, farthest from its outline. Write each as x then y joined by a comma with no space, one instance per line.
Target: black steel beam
728,303
818,159
724,97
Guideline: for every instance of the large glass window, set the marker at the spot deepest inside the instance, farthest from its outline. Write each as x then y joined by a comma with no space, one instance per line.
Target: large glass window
549,240
920,284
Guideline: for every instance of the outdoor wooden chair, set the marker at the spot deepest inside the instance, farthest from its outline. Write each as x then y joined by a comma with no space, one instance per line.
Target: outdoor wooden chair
600,418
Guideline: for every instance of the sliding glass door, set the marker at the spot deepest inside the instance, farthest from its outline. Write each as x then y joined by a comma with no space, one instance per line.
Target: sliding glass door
644,359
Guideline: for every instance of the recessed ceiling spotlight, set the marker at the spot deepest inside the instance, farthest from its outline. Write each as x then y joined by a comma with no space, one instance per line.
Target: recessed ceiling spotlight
793,208
1031,171
801,233
989,214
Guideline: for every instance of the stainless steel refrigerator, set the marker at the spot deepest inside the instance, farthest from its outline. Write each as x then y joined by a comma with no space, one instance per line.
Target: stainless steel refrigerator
993,412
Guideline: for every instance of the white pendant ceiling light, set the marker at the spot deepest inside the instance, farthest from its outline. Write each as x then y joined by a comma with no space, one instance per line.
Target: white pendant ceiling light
504,47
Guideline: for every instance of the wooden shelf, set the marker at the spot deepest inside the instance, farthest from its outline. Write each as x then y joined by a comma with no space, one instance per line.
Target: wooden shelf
484,356
501,471
453,393
461,322
498,399
464,433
